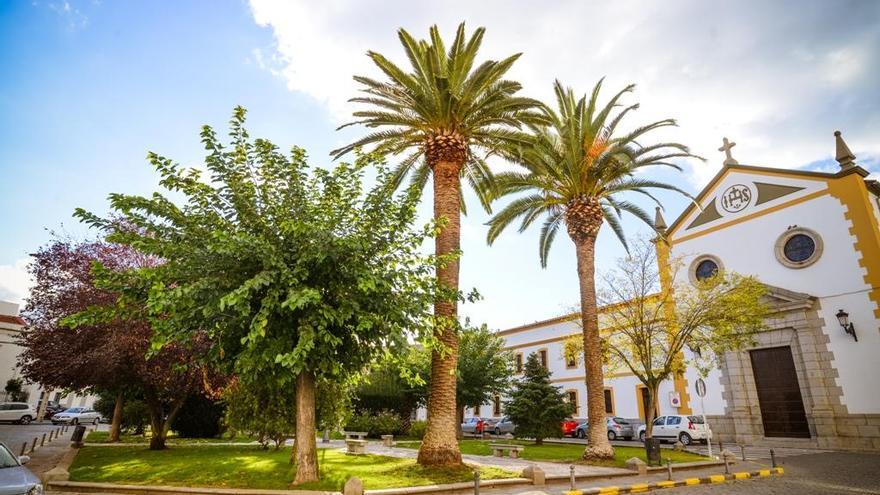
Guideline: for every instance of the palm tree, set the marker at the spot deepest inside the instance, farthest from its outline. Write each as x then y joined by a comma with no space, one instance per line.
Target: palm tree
576,170
441,114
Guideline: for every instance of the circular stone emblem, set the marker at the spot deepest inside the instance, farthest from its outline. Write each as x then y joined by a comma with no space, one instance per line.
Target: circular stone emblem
736,198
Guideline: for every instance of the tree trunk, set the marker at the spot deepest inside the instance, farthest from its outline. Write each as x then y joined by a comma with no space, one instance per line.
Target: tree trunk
116,424
157,425
306,430
539,441
440,445
459,434
598,446
651,408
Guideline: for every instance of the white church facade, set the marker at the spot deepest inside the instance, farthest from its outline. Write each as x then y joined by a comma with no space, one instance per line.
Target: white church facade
812,378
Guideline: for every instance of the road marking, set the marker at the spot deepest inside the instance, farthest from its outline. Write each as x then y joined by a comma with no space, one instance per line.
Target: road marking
692,481
665,484
609,490
717,478
638,488
741,476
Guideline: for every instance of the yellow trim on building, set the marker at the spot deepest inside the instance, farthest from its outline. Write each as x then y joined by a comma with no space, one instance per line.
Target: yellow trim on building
852,192
666,283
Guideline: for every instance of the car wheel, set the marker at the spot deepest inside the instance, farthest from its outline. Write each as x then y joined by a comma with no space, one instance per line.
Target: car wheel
95,422
25,420
642,437
581,434
612,435
685,439
497,431
75,421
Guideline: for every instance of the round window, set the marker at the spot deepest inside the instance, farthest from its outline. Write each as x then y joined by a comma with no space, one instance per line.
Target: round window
798,247
706,269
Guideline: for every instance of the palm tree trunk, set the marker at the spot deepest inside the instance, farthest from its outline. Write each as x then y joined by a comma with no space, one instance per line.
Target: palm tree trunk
306,443
116,424
598,446
440,446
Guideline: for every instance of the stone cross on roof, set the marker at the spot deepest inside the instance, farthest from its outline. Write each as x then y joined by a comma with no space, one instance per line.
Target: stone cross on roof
726,149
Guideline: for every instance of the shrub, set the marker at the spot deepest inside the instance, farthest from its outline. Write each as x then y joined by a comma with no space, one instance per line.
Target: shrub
417,429
135,415
199,418
376,425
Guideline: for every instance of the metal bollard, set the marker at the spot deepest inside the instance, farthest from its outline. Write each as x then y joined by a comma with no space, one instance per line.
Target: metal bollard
726,464
23,449
34,445
476,483
668,470
571,476
720,447
772,458
743,449
43,441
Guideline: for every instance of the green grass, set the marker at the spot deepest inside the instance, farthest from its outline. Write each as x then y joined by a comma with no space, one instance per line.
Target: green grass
104,437
251,467
567,453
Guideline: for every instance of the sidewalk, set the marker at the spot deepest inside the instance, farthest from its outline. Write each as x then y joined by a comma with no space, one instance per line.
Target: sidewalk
47,457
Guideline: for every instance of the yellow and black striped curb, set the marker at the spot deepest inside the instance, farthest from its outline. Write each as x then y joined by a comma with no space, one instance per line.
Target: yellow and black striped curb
644,487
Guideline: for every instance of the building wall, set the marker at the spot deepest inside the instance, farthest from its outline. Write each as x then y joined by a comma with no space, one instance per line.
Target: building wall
836,279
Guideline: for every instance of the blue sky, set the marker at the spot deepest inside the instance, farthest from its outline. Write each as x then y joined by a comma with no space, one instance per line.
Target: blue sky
89,87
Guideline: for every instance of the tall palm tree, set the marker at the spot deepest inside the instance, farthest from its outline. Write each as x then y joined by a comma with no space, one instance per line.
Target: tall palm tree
576,170
443,114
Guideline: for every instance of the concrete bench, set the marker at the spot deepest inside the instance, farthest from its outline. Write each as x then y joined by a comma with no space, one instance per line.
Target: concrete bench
355,435
498,450
388,440
355,447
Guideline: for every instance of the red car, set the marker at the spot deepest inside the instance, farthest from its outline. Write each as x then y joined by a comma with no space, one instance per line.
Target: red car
569,428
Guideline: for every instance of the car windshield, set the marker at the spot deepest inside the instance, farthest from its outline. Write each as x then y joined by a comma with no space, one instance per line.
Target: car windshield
7,459
621,421
695,420
73,410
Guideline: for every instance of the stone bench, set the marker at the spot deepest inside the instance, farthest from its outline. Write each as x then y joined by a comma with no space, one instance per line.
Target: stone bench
498,450
388,440
355,435
355,447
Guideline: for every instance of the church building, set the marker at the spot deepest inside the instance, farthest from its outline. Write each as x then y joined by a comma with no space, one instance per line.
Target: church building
812,377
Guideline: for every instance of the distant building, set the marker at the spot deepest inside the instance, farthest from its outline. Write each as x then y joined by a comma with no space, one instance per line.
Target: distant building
812,378
11,326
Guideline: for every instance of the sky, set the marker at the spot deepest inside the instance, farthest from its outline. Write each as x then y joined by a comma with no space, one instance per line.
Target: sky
89,87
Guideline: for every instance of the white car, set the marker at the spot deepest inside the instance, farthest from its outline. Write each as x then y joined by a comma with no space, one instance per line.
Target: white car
77,415
18,412
685,429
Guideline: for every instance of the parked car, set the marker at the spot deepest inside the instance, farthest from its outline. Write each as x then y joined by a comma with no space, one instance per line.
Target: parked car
77,415
569,427
505,425
475,426
17,412
616,428
52,408
14,477
685,429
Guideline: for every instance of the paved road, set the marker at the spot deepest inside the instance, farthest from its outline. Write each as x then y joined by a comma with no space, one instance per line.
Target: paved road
14,435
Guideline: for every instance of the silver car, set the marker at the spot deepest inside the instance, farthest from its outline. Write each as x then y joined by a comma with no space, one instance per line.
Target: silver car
616,428
14,477
77,415
505,425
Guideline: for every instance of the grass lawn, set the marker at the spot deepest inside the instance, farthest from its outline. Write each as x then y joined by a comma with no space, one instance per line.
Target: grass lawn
104,437
251,467
568,453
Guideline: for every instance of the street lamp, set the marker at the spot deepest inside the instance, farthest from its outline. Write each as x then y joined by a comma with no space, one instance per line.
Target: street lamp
843,319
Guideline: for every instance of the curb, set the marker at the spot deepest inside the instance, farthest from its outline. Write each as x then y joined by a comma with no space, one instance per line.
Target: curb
644,487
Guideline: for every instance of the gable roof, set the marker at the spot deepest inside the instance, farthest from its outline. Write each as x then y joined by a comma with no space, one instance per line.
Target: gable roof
725,170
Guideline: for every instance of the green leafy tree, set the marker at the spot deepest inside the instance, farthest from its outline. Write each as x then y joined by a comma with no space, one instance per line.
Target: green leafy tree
15,390
577,170
262,409
296,275
445,114
536,406
484,368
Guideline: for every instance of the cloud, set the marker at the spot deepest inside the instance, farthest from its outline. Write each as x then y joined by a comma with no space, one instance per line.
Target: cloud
15,281
72,16
778,78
